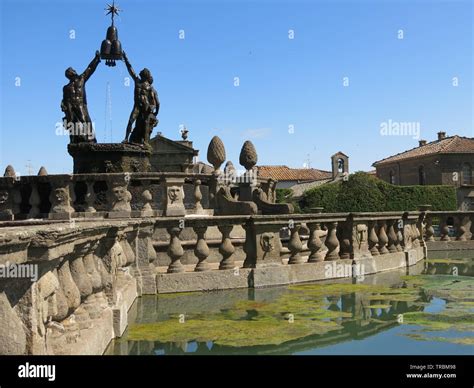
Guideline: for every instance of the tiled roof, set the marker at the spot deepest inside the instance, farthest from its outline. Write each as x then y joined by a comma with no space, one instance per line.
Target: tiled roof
449,145
285,173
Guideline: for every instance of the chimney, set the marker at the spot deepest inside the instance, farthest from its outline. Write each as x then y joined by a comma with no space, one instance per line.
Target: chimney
421,143
441,135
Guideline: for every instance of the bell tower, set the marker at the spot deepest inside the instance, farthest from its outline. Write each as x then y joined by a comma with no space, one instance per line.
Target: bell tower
340,165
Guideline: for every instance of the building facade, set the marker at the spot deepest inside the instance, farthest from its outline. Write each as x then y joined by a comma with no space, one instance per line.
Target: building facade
449,160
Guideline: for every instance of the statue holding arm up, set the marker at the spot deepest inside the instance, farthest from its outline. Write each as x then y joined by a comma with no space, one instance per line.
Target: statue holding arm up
145,107
74,104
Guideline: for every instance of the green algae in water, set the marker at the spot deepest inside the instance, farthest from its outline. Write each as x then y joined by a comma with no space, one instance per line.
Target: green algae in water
271,323
450,261
265,331
457,316
309,309
455,340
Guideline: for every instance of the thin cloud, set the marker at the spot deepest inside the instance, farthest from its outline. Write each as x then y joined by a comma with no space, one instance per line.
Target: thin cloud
258,133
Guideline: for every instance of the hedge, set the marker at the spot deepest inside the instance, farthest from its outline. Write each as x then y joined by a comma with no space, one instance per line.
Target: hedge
285,196
366,193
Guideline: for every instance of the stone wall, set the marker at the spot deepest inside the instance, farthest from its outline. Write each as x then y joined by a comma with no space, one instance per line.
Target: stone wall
88,273
67,289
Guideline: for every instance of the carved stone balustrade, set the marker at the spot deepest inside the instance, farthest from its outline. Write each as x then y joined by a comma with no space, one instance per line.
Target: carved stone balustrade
73,282
94,196
90,271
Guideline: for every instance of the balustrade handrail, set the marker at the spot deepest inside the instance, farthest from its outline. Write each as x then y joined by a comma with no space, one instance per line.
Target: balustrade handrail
270,219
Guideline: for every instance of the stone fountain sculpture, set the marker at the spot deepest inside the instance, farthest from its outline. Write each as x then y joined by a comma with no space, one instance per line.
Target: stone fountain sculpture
134,153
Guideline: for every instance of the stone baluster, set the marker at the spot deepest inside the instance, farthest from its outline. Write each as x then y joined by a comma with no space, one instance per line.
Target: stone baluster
415,235
16,201
90,198
34,201
429,231
62,304
197,196
295,245
332,242
373,239
420,225
463,227
392,236
69,287
147,210
226,249
84,285
127,250
344,235
398,231
444,228
383,238
314,243
94,303
201,251
175,250
105,276
91,270
79,274
250,246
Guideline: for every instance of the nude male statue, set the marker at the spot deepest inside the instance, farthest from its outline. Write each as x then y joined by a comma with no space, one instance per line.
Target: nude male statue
74,103
145,108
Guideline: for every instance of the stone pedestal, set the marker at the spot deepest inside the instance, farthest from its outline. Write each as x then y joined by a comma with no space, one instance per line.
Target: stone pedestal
173,197
246,191
262,245
109,157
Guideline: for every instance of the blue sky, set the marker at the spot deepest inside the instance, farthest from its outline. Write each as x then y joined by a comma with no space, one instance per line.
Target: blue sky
285,83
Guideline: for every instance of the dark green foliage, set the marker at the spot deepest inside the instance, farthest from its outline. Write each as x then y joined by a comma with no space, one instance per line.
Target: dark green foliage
285,196
366,193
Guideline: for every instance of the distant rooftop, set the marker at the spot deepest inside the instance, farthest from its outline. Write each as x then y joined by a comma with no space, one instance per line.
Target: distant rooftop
444,145
285,173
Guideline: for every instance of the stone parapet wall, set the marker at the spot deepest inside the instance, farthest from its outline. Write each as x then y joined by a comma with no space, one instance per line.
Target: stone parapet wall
85,275
67,289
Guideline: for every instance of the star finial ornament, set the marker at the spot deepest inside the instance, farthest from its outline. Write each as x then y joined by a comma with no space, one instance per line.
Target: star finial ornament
112,10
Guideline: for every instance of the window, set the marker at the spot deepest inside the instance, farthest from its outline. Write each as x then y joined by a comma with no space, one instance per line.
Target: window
392,177
340,165
466,174
421,175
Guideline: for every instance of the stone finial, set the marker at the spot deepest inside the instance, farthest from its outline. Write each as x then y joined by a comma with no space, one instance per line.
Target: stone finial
230,172
248,155
42,171
229,168
10,172
216,152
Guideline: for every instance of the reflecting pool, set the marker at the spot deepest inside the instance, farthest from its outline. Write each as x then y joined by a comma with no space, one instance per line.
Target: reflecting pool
428,309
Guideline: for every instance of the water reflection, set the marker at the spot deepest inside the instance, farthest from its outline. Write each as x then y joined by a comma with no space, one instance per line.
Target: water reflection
245,321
